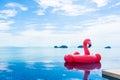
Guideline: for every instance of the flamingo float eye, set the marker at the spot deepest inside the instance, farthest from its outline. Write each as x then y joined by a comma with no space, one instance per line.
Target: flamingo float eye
89,45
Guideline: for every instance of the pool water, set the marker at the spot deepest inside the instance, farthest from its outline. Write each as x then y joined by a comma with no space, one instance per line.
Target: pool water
35,63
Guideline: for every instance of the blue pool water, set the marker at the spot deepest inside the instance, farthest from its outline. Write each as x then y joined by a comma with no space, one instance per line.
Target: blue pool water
36,63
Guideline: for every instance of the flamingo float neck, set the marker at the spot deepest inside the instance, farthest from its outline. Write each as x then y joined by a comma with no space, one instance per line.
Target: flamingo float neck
85,43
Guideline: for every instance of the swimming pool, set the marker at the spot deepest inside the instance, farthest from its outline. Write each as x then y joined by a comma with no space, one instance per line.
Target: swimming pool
18,63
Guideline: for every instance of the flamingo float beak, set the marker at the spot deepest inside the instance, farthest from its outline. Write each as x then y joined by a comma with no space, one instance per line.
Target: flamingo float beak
89,44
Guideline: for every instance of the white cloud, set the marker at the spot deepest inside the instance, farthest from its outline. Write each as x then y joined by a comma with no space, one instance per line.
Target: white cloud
33,32
7,13
40,12
104,30
106,25
11,12
37,38
51,3
102,20
6,39
49,26
66,7
100,3
5,25
46,26
73,10
14,5
114,5
31,25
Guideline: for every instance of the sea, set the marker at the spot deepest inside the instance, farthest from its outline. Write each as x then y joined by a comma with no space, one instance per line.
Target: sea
47,63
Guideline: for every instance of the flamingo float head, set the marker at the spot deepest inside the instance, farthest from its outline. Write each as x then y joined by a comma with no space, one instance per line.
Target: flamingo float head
87,41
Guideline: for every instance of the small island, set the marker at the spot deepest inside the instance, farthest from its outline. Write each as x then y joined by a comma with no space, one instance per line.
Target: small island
55,46
107,47
80,46
62,46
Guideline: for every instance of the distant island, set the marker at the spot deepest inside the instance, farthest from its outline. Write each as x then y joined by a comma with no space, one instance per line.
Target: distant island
80,46
62,46
107,47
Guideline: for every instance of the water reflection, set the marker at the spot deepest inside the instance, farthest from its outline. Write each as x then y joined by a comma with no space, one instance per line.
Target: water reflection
26,71
45,71
86,67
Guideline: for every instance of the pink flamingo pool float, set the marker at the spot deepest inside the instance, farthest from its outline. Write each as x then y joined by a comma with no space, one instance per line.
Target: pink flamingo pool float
86,58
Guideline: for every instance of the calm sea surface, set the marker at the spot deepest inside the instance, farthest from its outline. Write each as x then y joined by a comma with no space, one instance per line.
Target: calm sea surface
36,63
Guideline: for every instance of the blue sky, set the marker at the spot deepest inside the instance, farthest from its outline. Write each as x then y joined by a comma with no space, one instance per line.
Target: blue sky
57,22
